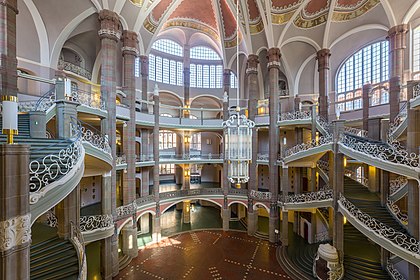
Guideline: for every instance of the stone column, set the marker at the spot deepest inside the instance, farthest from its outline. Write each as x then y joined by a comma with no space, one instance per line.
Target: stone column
226,87
252,80
145,154
156,223
144,60
15,216
8,61
109,34
367,89
186,175
338,187
323,57
273,75
129,236
374,132
285,185
130,52
394,96
413,145
187,73
397,44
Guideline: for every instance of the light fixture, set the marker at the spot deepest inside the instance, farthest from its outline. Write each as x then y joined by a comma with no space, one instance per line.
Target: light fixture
67,89
10,117
337,113
317,137
345,162
187,173
124,124
187,139
238,133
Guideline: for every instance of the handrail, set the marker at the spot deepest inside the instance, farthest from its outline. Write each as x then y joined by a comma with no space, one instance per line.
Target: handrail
356,131
393,208
259,195
126,210
295,115
322,236
86,98
49,167
191,156
68,66
393,272
416,90
358,178
326,194
77,239
95,137
399,239
396,184
309,145
324,124
46,101
191,192
397,121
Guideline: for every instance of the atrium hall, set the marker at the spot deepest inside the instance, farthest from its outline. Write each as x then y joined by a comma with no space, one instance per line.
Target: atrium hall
210,139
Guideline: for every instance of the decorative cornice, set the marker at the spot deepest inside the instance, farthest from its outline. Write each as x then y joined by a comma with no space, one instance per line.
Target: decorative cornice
130,50
15,232
110,25
110,34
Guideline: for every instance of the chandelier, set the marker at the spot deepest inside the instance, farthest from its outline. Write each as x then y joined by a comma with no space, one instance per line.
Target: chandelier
238,133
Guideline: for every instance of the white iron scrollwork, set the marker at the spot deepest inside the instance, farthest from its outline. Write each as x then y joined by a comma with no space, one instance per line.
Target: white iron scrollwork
127,210
309,145
393,272
296,115
396,184
326,194
258,195
396,211
96,222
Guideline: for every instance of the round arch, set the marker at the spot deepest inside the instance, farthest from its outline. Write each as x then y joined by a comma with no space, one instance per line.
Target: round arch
255,207
153,213
238,202
182,200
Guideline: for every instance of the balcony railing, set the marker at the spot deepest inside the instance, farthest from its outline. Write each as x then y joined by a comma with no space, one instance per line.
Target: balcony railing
68,66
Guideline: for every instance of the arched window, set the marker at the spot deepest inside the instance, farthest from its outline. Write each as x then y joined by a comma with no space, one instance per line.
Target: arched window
165,70
167,139
206,76
203,53
196,141
233,80
168,46
368,65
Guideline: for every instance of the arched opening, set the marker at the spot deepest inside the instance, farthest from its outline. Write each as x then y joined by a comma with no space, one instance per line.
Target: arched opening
144,225
238,216
201,213
263,219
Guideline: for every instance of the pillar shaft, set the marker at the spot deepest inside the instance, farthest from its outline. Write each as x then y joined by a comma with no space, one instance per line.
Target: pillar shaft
8,61
252,80
394,96
130,52
226,87
156,146
144,60
273,75
323,57
187,74
397,44
15,216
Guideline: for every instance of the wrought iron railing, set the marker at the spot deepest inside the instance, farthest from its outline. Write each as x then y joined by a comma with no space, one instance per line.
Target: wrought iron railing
121,159
389,152
416,90
68,66
49,168
76,238
258,195
309,145
42,104
52,220
393,208
127,210
393,272
322,236
263,157
355,131
296,115
397,121
397,184
88,99
400,239
95,137
324,124
191,192
321,195
96,222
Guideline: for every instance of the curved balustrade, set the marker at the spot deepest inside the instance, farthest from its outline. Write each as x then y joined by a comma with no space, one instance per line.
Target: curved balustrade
323,125
239,192
194,192
94,137
309,145
126,210
393,208
258,195
45,171
88,99
360,179
309,197
45,102
388,153
396,187
355,131
76,238
68,66
96,223
322,236
394,273
399,121
208,156
394,241
296,115
27,106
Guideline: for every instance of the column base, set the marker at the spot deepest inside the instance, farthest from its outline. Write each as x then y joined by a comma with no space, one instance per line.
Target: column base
252,223
226,218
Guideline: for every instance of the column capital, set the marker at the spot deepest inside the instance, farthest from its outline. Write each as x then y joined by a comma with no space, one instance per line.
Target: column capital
130,42
252,64
323,57
273,57
397,29
110,25
11,4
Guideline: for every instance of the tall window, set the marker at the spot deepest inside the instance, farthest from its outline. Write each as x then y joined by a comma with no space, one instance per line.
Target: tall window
416,52
166,168
167,139
204,53
233,80
196,141
168,46
206,76
368,65
165,70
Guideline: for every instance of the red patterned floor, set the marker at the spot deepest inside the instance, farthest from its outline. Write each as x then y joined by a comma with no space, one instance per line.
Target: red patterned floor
206,254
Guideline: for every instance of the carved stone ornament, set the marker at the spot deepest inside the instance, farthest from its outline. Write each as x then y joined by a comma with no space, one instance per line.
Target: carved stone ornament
14,232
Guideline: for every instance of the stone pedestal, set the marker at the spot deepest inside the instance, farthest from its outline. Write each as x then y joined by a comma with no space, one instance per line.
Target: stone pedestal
66,116
252,223
38,124
226,218
327,261
15,216
186,212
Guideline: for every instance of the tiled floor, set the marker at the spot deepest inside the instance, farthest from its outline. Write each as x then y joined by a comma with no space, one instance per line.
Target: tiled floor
206,254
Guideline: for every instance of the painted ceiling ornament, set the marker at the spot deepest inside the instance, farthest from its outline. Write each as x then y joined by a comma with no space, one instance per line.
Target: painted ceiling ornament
347,12
282,11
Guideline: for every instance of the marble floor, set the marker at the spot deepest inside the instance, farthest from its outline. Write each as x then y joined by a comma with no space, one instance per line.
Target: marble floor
206,254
